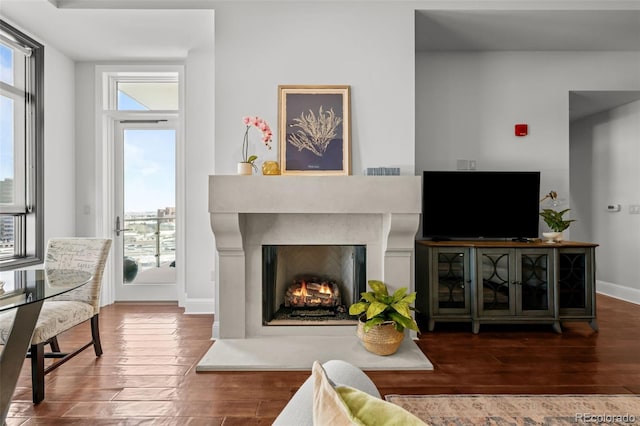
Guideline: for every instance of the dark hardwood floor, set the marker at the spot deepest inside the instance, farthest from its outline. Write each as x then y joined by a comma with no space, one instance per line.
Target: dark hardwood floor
147,373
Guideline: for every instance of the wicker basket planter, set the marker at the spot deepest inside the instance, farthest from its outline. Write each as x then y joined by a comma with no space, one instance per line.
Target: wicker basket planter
381,312
382,339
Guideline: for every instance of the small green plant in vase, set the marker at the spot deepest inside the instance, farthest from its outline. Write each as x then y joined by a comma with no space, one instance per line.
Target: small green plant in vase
384,317
554,219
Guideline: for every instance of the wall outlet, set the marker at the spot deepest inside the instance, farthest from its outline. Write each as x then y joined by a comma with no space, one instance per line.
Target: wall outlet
465,164
634,209
462,164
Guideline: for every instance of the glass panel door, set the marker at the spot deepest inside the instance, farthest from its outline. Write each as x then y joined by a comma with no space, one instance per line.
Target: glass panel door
572,280
535,280
495,296
452,293
145,210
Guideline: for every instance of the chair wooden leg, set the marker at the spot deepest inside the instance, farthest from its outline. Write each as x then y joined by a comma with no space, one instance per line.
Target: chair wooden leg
37,355
95,335
55,347
37,372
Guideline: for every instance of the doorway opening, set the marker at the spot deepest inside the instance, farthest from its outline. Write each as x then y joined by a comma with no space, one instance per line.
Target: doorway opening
142,110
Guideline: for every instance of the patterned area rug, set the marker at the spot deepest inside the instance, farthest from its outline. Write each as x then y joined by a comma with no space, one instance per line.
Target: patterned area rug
501,410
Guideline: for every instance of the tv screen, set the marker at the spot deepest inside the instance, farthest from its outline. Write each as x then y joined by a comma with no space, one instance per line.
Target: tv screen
480,204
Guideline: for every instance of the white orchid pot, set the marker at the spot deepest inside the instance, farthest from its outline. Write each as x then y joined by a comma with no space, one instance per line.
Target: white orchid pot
245,169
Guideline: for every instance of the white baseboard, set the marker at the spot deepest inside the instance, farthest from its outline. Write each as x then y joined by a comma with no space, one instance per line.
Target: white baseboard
627,294
199,306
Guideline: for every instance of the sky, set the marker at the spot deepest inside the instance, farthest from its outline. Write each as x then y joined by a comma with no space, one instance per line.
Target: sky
6,116
149,170
149,165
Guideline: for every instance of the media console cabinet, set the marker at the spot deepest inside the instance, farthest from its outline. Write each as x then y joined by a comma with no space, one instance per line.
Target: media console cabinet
484,282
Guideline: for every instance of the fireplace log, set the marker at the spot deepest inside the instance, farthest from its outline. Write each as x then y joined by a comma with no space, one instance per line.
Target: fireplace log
312,293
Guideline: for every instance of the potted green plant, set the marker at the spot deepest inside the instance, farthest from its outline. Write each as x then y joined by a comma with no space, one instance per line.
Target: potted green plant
130,269
554,219
384,317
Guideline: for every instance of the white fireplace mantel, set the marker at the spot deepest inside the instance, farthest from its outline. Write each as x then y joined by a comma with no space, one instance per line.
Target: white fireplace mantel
246,211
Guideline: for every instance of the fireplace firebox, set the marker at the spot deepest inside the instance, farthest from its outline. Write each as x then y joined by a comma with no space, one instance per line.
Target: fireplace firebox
303,283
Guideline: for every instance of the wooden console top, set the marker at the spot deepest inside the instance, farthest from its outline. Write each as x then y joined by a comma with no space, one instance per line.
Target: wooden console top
514,244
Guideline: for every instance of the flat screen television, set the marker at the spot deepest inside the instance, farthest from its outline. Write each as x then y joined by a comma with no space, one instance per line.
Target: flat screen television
480,204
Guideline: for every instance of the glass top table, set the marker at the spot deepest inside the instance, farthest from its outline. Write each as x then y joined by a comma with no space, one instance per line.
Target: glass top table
27,286
22,293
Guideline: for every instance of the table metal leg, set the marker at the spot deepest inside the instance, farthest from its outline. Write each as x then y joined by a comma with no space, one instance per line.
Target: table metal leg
15,351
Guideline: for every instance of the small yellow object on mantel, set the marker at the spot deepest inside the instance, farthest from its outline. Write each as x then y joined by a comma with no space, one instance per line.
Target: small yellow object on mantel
270,168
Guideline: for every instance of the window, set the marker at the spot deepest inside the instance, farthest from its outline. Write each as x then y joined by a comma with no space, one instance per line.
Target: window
152,92
21,149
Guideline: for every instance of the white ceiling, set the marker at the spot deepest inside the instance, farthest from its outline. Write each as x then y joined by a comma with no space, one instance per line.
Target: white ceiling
113,34
111,29
588,102
121,30
582,30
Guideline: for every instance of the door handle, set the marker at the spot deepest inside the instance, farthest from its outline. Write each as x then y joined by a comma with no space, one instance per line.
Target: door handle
118,230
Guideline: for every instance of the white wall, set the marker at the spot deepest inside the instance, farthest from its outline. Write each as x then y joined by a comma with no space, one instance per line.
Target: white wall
199,159
260,45
59,145
605,151
468,103
86,190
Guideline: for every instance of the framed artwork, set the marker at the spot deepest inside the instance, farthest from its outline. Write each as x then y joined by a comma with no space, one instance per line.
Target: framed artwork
314,130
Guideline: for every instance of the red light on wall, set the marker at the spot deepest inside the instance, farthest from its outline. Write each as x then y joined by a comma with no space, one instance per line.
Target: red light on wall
522,129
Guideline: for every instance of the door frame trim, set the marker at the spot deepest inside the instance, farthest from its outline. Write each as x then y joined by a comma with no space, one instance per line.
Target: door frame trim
104,161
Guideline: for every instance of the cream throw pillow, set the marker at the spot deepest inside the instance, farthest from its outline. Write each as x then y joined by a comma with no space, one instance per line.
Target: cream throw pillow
346,406
328,407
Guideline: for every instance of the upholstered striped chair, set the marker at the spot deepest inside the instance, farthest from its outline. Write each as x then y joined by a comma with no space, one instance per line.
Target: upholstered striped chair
67,310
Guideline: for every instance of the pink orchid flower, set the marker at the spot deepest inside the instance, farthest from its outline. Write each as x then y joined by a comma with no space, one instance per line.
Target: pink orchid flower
267,136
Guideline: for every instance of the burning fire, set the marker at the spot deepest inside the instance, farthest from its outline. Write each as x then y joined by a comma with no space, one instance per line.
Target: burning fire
306,293
302,291
326,289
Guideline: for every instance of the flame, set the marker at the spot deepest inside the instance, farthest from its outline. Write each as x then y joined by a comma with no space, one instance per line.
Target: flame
302,291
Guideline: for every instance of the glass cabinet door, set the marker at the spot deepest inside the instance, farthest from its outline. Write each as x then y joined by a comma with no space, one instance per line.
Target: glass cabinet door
452,281
574,285
495,292
534,278
572,280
